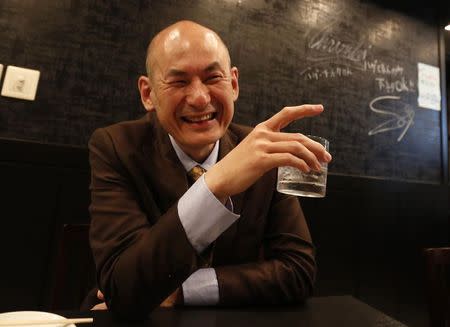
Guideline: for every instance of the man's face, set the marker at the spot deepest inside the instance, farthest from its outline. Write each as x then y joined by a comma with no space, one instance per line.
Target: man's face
193,90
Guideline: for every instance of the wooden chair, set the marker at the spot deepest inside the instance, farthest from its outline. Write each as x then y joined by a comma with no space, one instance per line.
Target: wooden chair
75,268
437,274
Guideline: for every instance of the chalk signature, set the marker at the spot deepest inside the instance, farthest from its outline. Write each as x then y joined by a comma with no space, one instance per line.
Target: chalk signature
387,105
327,42
328,47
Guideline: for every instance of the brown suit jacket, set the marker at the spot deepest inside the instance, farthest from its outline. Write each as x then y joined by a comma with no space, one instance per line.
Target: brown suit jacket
139,245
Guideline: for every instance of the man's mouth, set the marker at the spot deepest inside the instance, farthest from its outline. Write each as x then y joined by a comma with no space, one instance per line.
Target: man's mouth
199,119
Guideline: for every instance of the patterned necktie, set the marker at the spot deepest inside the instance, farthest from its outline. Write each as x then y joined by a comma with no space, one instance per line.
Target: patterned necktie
195,173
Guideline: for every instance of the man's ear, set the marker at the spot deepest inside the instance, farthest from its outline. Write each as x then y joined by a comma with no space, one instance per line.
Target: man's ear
235,82
145,90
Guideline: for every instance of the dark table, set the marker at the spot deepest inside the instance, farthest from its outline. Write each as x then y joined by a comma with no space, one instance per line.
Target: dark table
339,311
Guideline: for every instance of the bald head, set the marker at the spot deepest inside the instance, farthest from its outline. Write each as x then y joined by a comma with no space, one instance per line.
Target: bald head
182,37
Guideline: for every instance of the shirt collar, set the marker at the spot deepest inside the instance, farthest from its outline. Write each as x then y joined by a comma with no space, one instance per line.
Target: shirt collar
189,163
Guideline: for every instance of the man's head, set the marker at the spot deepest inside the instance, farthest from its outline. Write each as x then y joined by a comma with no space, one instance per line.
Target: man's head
191,86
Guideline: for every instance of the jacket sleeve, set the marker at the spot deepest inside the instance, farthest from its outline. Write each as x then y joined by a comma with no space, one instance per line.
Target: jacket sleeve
286,269
138,263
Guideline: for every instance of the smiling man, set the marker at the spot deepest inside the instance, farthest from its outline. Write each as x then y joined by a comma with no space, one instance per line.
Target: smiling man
159,236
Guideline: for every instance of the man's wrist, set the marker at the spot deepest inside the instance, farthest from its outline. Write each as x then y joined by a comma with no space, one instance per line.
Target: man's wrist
214,187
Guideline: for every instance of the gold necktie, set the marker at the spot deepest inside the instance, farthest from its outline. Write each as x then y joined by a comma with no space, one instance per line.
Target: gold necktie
195,173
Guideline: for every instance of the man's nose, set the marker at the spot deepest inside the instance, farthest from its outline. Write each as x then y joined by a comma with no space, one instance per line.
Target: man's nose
198,95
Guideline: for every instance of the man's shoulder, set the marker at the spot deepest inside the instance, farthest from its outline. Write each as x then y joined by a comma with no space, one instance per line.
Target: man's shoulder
129,126
126,131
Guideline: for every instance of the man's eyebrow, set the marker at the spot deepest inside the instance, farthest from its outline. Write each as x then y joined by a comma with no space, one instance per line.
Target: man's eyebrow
175,73
213,66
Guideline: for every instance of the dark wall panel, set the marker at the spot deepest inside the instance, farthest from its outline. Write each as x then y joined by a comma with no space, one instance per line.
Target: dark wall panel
43,187
370,235
28,208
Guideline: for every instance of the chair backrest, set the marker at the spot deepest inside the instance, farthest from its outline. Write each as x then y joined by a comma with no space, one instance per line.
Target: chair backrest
437,274
75,268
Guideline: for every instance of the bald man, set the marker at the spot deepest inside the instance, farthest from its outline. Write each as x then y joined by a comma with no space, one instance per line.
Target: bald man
160,238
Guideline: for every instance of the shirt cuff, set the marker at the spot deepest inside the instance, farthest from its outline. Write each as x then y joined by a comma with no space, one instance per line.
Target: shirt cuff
203,216
201,288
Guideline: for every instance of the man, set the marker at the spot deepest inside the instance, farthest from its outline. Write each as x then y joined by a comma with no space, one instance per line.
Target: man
227,239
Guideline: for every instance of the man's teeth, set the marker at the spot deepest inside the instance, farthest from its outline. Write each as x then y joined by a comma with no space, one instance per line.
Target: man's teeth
200,118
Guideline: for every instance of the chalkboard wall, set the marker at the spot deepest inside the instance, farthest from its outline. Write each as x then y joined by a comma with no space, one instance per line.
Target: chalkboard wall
357,58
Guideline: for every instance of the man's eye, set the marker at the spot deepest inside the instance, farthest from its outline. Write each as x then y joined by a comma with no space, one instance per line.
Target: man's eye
214,78
178,82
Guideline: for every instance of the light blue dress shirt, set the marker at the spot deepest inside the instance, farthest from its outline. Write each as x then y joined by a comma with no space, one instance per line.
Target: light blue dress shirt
203,218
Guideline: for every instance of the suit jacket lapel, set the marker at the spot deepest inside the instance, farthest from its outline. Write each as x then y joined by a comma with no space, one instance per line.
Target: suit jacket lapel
163,168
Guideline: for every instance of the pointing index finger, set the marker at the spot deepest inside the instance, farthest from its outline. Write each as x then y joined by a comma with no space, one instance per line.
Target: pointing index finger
288,114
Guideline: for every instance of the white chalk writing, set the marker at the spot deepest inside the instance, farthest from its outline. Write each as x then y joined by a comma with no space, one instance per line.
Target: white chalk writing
332,56
324,41
326,73
379,67
400,85
400,114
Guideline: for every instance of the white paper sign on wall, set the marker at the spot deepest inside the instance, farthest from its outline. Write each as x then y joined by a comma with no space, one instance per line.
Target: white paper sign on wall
20,83
429,86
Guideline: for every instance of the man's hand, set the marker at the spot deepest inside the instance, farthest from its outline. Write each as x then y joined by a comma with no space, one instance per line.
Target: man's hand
100,306
266,148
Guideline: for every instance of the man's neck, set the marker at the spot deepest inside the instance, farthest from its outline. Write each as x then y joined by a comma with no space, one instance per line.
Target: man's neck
188,159
199,155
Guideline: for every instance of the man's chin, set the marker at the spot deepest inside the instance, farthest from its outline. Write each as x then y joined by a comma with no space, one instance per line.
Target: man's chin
199,139
201,144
